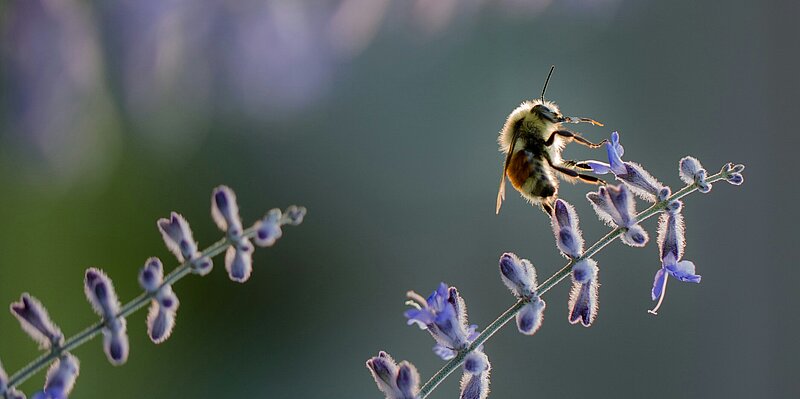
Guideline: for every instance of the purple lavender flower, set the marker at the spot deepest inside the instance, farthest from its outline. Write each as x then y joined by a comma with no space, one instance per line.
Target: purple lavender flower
444,315
239,260
152,274
692,172
225,211
396,381
161,316
294,215
565,227
475,381
5,392
164,306
583,297
179,240
101,295
670,244
239,256
36,322
60,378
268,229
733,173
529,318
518,275
178,236
630,173
615,206
58,115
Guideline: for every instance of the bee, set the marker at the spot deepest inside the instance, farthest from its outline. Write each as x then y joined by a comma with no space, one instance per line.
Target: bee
532,140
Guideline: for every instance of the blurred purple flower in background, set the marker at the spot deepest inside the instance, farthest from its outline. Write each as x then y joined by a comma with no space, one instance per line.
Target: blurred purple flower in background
159,59
57,114
80,73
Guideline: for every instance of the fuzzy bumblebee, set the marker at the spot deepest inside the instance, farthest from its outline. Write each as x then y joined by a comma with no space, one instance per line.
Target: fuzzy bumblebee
532,140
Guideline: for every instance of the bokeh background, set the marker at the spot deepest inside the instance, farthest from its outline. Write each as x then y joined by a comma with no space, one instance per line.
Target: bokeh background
381,117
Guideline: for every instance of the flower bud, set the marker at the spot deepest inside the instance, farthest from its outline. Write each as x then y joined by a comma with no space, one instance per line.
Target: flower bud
583,297
101,295
152,274
178,236
475,381
294,215
529,318
735,178
268,229
4,389
115,342
565,227
225,211
239,260
395,382
61,376
35,321
689,167
635,236
407,380
518,275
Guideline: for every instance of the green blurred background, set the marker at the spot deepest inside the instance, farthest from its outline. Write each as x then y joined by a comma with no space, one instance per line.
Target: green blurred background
381,117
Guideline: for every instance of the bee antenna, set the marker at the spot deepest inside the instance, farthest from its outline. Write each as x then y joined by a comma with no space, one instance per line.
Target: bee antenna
552,67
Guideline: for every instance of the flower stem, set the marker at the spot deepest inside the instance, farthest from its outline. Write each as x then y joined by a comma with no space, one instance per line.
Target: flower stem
556,278
129,308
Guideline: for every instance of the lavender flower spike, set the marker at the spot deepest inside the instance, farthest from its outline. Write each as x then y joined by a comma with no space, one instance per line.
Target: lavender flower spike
179,240
583,297
60,378
565,227
630,173
4,391
475,382
396,381
101,295
671,243
615,206
444,315
36,322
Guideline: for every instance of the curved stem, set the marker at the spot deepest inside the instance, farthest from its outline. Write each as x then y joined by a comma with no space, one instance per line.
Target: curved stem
556,278
127,309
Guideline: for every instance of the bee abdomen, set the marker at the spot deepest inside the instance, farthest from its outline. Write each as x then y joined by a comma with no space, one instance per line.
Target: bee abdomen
543,188
529,175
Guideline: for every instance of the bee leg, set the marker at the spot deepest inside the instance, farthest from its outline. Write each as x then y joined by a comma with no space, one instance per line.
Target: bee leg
576,164
572,136
591,179
547,208
571,173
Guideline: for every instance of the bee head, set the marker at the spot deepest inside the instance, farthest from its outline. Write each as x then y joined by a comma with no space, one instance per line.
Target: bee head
546,111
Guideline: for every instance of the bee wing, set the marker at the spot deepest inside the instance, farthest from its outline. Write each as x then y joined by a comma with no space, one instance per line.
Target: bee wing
501,193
